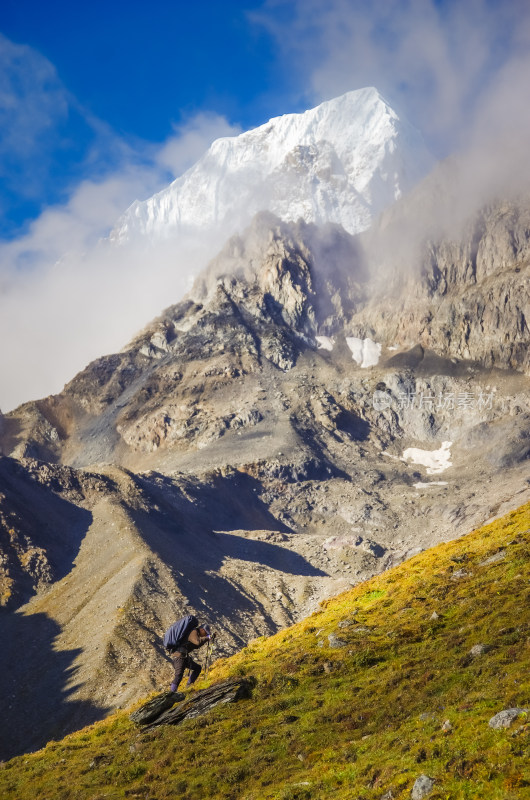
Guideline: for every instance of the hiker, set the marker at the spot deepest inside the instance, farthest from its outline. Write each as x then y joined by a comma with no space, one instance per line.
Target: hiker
180,653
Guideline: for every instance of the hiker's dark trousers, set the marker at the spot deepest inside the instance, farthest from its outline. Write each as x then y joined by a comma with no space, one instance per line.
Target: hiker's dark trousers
182,661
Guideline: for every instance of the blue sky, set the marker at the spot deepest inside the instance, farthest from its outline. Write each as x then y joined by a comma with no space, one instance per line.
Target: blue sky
105,102
139,69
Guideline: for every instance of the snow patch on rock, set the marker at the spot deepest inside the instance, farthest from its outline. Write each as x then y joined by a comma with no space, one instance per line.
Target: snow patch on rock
436,461
325,342
365,352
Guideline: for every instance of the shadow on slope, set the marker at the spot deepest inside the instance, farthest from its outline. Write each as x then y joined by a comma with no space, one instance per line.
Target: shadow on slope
217,589
214,502
36,683
40,532
193,529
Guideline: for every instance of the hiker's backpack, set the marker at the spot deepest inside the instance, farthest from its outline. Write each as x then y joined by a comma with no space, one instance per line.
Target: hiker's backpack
177,634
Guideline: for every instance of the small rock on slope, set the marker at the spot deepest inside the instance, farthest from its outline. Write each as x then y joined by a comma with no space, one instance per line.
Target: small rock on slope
422,787
505,718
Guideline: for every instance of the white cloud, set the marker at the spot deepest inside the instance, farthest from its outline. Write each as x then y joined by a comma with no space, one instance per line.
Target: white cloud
190,141
33,103
439,62
66,295
32,98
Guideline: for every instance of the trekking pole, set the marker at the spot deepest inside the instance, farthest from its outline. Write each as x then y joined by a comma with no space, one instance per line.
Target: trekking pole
207,659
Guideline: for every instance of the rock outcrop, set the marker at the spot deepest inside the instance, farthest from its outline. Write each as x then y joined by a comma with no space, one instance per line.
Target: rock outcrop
201,703
459,288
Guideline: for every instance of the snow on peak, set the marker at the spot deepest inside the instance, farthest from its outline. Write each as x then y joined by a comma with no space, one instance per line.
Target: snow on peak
343,162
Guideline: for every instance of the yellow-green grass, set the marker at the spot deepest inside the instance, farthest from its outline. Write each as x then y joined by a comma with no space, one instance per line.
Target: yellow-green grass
351,722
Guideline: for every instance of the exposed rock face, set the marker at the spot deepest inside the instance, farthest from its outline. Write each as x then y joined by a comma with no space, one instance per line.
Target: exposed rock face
466,296
296,275
229,691
141,551
153,708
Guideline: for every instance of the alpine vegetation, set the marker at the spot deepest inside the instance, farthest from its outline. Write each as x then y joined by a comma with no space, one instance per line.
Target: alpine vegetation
413,684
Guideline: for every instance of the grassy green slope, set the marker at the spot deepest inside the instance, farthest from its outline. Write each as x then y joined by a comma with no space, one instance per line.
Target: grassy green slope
354,721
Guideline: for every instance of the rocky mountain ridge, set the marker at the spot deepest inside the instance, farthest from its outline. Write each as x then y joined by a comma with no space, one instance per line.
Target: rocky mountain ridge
452,281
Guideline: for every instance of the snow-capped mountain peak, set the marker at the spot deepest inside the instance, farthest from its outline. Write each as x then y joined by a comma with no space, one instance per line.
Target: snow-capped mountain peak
343,161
